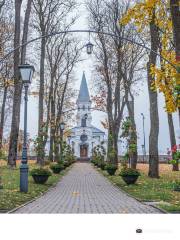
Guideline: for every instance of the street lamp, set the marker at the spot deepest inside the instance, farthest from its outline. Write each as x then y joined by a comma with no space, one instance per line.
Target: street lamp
62,126
89,48
144,145
26,72
143,151
92,148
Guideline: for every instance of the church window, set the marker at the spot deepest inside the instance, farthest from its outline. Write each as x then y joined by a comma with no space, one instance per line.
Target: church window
83,122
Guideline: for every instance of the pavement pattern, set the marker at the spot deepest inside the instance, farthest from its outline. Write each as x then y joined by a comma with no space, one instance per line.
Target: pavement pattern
85,190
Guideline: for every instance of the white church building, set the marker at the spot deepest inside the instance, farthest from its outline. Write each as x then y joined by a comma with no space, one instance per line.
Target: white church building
84,136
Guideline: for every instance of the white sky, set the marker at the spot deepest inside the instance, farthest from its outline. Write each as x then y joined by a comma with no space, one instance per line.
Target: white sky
141,101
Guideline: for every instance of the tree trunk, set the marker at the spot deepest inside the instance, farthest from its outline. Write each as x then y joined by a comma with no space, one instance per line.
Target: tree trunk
58,152
25,31
153,99
115,144
52,131
17,89
2,4
172,137
133,139
17,82
40,159
2,116
175,13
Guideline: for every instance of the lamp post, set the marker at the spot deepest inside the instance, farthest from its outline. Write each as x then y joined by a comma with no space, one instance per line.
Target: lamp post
143,151
69,139
26,72
130,137
62,127
144,137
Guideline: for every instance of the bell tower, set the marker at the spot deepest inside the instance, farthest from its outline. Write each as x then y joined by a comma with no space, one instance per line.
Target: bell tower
84,117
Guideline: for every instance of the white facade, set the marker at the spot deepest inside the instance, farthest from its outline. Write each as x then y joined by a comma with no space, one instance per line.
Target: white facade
85,136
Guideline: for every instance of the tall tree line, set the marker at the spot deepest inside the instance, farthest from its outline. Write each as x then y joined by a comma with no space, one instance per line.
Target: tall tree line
117,60
47,16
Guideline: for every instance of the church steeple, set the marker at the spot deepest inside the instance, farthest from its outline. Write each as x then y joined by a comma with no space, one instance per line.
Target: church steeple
84,104
84,92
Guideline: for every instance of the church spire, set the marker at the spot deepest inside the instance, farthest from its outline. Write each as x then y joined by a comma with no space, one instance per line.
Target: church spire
84,92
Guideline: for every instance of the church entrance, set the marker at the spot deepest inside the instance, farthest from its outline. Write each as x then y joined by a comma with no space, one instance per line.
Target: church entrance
83,151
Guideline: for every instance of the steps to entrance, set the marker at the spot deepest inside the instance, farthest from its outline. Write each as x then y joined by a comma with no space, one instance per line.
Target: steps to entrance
83,159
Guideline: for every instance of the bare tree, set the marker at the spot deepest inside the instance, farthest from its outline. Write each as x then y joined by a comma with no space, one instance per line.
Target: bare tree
17,81
48,15
6,81
130,69
62,58
117,63
6,74
2,4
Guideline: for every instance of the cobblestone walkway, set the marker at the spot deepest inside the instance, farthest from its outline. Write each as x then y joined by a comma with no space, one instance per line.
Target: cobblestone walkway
84,190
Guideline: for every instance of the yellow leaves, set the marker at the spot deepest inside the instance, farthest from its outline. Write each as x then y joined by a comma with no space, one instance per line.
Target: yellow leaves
177,77
75,194
141,13
105,124
34,93
165,82
8,83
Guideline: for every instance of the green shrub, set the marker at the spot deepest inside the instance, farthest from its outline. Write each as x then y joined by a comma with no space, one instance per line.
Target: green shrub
98,156
56,166
176,185
40,171
129,171
68,155
3,155
102,165
66,164
111,168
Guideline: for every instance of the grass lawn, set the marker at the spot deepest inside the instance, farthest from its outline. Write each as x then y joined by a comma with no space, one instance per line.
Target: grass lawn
155,190
11,197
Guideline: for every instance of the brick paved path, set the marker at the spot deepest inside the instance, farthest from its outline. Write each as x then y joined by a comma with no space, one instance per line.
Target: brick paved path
84,190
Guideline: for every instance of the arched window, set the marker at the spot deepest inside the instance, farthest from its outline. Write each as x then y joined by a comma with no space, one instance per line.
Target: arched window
83,122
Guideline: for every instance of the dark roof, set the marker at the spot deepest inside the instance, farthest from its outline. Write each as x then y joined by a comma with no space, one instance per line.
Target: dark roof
97,130
83,92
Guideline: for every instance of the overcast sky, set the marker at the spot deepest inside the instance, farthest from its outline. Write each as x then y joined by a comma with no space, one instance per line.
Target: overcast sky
141,101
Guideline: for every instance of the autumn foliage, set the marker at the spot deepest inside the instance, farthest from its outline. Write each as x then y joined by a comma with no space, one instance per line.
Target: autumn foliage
166,77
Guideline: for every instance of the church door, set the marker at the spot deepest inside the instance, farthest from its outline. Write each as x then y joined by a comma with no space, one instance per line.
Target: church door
83,151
